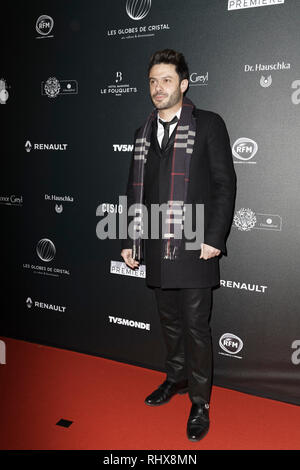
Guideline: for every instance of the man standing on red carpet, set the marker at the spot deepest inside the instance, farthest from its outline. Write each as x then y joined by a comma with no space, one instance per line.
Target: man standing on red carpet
182,160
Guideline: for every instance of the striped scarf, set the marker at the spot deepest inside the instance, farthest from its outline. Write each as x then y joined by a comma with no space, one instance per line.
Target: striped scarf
179,179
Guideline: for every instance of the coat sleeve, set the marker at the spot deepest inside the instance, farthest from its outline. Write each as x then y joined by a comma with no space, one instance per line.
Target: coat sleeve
223,184
127,242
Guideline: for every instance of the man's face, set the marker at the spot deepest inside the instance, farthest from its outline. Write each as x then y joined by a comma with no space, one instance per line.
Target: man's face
165,88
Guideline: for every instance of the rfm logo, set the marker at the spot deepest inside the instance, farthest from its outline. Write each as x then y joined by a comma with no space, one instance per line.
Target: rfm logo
2,352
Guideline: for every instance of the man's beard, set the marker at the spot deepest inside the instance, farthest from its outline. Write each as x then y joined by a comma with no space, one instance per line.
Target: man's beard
174,98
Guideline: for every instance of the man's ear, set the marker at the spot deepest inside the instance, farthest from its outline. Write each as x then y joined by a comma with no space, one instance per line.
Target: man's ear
184,85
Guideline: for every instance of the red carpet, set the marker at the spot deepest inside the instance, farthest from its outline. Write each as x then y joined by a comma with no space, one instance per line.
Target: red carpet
40,385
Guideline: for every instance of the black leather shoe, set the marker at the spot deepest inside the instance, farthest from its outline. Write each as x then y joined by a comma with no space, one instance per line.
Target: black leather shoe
198,422
165,392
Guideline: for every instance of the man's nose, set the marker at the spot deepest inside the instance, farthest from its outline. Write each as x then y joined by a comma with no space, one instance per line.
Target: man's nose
159,86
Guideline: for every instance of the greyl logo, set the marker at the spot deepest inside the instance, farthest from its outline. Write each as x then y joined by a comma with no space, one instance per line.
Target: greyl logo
198,80
2,352
11,200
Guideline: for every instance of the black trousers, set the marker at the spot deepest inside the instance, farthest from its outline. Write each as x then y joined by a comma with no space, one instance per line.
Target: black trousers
184,317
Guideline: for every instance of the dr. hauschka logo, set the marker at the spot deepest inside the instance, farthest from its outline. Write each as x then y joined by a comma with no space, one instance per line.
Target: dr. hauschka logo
244,150
11,200
231,344
2,352
241,4
265,82
3,91
138,9
29,146
45,305
259,67
295,358
45,249
247,219
197,79
44,25
118,88
58,201
53,87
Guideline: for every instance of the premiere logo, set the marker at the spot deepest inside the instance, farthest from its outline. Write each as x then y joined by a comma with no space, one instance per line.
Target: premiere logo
241,4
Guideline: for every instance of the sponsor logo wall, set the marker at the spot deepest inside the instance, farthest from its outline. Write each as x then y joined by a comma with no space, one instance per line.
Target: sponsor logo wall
65,167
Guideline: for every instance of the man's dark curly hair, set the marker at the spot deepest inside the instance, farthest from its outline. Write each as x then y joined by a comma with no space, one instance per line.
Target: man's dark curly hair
169,56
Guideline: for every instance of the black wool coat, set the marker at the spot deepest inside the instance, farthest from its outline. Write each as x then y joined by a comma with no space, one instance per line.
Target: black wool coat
212,182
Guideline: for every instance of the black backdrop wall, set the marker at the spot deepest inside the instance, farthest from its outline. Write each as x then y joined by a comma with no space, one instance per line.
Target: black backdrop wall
73,90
